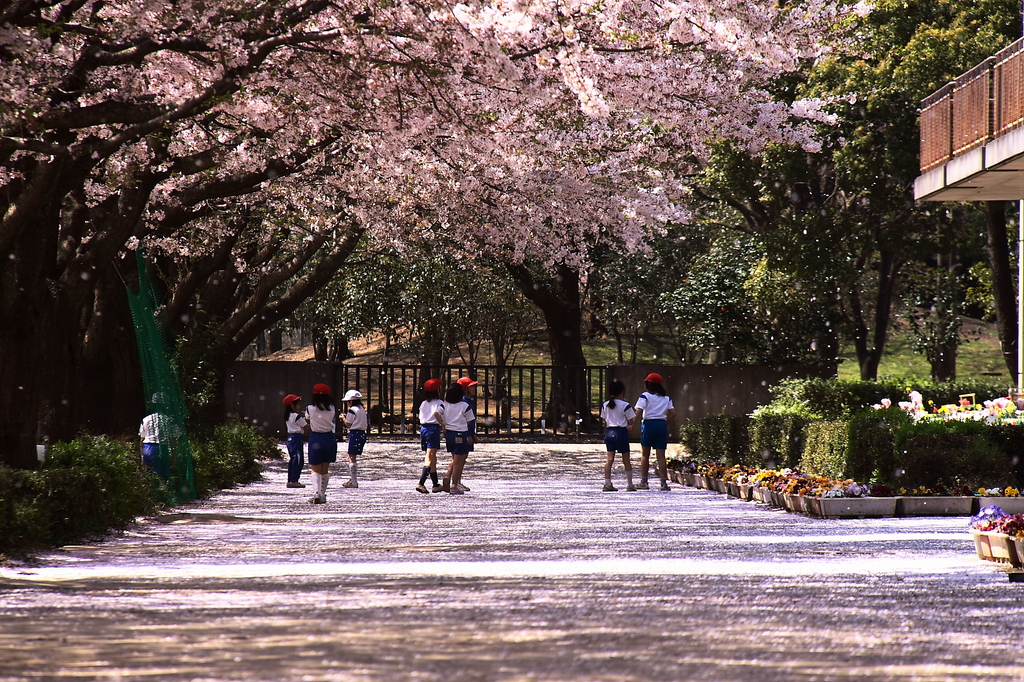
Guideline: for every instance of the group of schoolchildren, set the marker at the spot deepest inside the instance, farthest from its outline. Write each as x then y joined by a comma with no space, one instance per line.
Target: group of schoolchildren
453,417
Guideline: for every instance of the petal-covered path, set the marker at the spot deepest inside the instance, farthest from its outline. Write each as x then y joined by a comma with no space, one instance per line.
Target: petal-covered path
534,575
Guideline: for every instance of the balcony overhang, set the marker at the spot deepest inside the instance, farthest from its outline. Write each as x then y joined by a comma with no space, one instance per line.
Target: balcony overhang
994,172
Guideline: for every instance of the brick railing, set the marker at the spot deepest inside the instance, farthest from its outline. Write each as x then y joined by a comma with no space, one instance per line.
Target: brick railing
984,103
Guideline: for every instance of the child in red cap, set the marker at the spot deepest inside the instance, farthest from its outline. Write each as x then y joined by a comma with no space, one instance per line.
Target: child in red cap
653,410
430,434
294,422
323,441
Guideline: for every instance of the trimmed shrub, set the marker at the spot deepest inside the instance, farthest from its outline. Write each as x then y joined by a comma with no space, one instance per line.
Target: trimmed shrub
230,455
777,434
838,399
949,453
871,454
1009,438
84,488
718,438
826,443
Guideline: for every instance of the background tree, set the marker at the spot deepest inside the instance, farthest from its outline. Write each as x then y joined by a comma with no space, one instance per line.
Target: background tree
253,140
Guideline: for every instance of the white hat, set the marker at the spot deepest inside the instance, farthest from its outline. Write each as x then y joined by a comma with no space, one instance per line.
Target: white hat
351,394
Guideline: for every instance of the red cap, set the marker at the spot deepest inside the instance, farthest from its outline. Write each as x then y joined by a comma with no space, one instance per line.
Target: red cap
466,382
654,378
432,385
322,389
291,398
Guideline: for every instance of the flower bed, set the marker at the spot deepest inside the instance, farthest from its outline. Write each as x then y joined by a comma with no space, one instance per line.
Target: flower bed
826,497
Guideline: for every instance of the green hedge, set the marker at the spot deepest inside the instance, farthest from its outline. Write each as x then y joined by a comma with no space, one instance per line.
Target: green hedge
840,399
874,446
719,438
826,446
228,455
950,453
85,487
777,437
96,484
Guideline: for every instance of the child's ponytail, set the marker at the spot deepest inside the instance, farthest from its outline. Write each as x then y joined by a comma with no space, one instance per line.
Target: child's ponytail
615,388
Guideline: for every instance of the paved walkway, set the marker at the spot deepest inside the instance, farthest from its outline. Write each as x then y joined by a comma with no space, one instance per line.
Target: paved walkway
534,575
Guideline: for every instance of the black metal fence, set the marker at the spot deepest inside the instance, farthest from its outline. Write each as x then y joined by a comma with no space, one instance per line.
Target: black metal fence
510,401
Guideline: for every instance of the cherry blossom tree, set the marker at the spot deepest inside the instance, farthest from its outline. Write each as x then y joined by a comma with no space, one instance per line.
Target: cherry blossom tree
247,147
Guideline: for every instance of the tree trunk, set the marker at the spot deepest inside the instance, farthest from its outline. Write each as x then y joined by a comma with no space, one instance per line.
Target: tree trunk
1002,283
869,343
320,349
274,341
559,301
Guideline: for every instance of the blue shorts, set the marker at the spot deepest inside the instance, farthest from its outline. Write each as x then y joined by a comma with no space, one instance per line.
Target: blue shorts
356,441
654,434
430,437
323,448
457,442
154,456
616,439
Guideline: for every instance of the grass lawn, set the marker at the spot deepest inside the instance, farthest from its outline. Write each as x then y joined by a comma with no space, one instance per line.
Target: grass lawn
979,357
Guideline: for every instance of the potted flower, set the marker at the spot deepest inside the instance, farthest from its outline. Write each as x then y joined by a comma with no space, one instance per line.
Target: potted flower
990,528
1008,499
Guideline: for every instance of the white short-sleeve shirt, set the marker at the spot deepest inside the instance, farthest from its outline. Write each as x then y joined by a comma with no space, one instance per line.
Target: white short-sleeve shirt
618,415
654,406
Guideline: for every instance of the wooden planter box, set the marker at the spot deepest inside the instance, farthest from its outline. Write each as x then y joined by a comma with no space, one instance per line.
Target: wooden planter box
745,491
719,485
732,489
935,506
1010,505
853,507
761,494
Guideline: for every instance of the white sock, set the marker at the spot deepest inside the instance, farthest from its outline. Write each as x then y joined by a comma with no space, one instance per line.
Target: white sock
352,471
608,480
316,483
323,483
629,476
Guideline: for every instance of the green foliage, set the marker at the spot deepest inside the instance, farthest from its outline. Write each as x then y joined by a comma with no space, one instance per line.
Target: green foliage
719,438
839,399
949,453
826,444
94,484
777,435
1009,438
229,454
735,307
871,453
85,487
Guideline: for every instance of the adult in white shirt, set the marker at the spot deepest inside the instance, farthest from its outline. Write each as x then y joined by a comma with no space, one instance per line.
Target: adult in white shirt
653,410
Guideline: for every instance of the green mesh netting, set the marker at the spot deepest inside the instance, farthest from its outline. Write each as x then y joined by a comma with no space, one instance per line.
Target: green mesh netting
165,403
